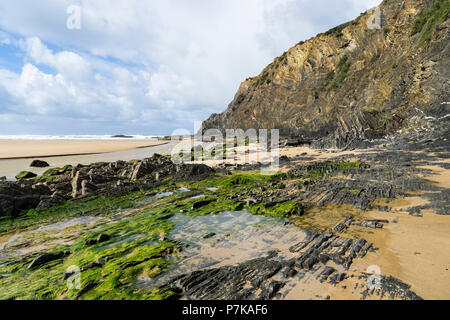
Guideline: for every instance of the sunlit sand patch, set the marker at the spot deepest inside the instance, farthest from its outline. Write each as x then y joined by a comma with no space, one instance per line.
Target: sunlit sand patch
403,203
412,249
307,286
439,175
420,245
321,154
355,287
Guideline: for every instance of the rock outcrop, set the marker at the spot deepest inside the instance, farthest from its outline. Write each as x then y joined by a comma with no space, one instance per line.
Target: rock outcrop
60,184
39,164
46,258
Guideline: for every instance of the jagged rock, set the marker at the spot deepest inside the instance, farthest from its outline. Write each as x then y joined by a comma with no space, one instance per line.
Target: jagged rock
97,176
320,248
343,225
199,204
344,247
228,282
269,291
89,286
90,242
87,188
48,202
91,265
26,202
240,206
102,261
102,237
25,175
295,142
58,171
55,199
67,275
139,171
337,277
58,195
299,246
364,250
326,273
357,246
77,178
209,235
14,205
289,273
143,168
374,224
6,206
192,171
392,288
41,188
311,256
39,164
46,258
62,187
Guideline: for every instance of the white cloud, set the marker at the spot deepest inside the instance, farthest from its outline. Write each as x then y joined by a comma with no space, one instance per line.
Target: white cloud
73,89
65,62
166,63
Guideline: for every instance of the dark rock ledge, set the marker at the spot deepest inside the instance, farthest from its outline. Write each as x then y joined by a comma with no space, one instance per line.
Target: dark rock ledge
57,185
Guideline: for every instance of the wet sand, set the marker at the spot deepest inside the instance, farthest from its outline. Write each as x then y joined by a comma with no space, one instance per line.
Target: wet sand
412,249
321,154
20,149
132,150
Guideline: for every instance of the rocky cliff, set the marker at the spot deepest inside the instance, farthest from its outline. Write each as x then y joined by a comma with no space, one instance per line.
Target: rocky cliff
355,83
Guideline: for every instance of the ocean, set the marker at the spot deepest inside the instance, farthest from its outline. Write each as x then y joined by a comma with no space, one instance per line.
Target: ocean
77,137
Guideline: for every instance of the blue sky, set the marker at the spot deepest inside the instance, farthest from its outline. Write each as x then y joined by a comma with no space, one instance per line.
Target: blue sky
142,67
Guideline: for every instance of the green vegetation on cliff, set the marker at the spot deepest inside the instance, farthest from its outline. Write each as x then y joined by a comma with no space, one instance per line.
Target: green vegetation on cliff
429,18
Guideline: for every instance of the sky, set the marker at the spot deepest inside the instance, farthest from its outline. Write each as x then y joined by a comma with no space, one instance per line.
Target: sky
142,66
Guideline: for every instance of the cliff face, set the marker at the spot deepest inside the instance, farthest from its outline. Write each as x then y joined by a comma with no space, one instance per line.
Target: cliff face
354,83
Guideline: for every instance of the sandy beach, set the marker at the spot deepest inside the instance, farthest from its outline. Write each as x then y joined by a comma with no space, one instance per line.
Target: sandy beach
20,149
